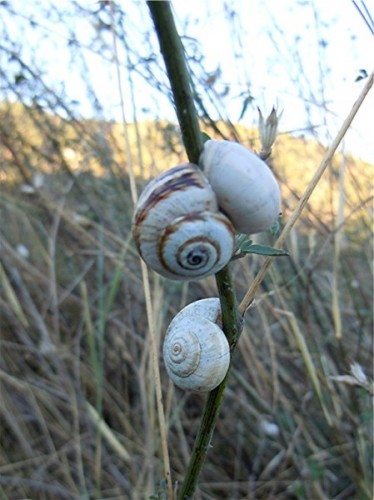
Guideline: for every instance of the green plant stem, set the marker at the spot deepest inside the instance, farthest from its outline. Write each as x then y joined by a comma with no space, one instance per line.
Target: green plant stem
176,67
173,54
232,329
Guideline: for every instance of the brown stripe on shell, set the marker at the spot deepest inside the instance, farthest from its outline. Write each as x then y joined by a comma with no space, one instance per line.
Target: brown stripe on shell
171,228
136,233
171,182
225,220
218,321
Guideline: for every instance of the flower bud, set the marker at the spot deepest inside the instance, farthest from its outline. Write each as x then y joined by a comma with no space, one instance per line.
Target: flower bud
268,131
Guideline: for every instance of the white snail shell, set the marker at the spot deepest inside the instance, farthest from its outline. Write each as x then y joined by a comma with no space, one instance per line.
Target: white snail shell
196,352
246,189
177,227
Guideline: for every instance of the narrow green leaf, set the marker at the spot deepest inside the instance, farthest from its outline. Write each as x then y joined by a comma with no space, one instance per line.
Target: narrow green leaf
247,101
362,74
242,239
262,250
275,227
205,136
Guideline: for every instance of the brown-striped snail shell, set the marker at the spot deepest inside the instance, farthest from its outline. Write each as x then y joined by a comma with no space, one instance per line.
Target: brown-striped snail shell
246,189
177,227
195,351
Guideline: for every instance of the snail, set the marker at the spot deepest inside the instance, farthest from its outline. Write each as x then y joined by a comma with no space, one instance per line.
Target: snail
195,350
246,189
177,226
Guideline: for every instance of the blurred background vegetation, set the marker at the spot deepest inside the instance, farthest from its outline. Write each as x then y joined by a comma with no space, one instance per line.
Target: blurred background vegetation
77,409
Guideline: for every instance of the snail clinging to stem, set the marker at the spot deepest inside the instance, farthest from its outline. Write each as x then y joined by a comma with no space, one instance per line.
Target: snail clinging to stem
185,220
178,228
196,352
184,228
246,189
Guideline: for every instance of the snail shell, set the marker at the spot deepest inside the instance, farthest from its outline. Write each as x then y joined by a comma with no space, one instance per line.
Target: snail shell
246,189
196,352
177,227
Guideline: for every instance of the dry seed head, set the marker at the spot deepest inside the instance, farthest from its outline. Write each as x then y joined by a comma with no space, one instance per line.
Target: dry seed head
268,131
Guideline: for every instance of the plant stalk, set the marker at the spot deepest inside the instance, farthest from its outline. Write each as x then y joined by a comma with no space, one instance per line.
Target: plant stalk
173,53
232,329
249,296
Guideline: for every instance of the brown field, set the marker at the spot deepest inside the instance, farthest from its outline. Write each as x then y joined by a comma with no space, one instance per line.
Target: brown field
78,409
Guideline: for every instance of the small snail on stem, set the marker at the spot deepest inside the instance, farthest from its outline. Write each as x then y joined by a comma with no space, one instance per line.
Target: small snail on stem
196,352
177,226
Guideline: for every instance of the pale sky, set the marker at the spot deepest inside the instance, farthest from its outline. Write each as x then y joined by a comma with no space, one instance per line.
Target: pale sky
289,53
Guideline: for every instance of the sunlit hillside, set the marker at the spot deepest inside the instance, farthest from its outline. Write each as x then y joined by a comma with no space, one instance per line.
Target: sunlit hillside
54,146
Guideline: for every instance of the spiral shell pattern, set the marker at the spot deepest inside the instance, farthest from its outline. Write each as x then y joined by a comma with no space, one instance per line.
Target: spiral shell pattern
177,227
196,352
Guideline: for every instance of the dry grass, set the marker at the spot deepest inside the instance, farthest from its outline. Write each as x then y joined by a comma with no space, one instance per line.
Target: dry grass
79,413
78,397
74,347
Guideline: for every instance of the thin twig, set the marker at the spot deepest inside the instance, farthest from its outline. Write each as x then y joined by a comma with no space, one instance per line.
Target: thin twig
249,296
146,287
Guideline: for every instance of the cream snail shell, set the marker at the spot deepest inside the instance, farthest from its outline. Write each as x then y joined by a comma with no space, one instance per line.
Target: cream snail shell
196,352
177,227
246,189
